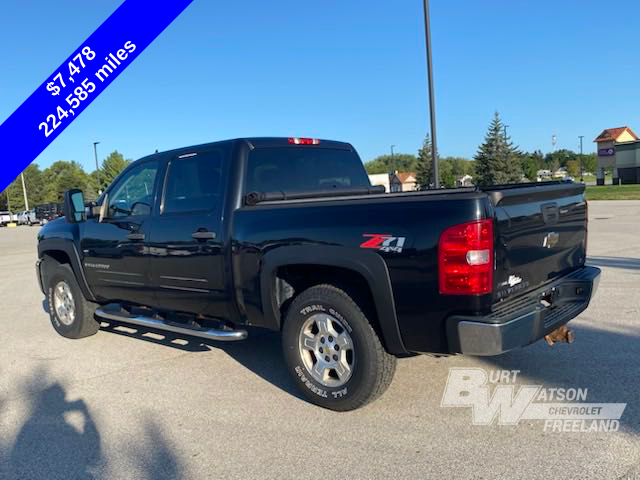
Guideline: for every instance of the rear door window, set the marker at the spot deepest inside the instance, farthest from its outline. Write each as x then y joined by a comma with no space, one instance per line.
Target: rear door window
193,183
303,168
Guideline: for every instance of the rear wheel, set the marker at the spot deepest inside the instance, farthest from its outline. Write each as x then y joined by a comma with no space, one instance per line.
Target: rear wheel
333,352
71,315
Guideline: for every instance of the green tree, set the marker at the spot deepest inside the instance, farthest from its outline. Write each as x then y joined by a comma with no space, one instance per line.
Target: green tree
573,168
446,173
34,185
532,162
497,160
424,169
401,162
3,198
110,169
62,176
453,168
589,162
559,158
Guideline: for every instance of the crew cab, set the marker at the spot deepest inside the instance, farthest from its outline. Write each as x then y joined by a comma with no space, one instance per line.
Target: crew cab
287,234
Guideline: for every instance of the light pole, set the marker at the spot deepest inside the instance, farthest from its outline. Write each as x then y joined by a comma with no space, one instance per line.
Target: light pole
392,147
432,106
24,192
505,132
95,154
581,159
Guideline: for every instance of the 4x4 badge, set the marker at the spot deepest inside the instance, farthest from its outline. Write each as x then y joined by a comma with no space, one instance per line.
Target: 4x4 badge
383,242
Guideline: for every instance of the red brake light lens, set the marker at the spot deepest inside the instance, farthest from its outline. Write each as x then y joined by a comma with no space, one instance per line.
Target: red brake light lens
303,141
465,259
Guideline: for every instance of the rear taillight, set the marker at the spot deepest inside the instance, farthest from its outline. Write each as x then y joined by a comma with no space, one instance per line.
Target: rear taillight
304,141
465,259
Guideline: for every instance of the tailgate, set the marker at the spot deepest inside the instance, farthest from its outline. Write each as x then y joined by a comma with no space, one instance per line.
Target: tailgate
540,234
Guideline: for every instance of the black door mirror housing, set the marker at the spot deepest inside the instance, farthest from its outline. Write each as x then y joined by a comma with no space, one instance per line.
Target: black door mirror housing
74,209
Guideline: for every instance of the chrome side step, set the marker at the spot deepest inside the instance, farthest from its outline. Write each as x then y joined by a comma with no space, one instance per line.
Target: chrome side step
142,321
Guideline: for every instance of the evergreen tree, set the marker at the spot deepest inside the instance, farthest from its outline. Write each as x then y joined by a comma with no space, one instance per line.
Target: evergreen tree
424,177
111,168
497,160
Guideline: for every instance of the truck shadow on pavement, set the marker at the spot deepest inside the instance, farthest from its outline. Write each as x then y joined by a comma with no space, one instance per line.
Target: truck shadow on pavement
604,362
260,353
60,440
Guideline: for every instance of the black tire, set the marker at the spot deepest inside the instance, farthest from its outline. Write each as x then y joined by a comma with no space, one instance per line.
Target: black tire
83,323
371,369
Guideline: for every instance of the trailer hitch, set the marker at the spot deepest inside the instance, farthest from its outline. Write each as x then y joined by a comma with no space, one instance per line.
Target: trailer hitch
562,334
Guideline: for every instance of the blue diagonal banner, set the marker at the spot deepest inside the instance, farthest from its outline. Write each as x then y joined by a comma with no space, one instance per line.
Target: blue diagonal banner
80,79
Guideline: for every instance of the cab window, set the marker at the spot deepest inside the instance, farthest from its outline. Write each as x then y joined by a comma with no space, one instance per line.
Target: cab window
133,194
193,183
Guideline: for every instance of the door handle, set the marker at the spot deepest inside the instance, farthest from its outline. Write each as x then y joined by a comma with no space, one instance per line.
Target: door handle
204,235
135,236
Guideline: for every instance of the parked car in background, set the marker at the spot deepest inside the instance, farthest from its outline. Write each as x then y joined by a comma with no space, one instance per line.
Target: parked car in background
48,211
6,217
27,217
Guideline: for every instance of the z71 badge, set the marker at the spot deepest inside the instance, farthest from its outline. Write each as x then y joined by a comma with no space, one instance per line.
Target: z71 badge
383,242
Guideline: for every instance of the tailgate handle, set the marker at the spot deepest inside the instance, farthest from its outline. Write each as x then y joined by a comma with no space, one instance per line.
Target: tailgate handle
203,235
550,213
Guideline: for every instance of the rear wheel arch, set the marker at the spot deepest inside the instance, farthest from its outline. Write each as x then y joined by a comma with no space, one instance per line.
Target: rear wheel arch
287,272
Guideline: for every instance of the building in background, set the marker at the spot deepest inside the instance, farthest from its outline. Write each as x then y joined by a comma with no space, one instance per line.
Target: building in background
403,181
380,179
395,182
464,181
618,149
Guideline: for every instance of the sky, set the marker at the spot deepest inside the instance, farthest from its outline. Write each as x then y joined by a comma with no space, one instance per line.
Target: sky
345,70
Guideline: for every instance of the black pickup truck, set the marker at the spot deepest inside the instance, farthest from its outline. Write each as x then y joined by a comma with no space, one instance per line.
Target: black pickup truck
288,234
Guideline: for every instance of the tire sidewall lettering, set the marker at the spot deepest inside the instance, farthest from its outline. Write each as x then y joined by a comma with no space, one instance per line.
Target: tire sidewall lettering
52,310
300,370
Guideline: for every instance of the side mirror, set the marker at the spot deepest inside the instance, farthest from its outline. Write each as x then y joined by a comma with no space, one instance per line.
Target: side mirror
74,206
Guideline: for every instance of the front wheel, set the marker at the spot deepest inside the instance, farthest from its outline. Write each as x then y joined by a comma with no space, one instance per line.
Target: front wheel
71,315
333,352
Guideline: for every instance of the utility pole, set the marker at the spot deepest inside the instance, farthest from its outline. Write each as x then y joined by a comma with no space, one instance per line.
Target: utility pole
24,192
505,132
581,159
432,106
95,154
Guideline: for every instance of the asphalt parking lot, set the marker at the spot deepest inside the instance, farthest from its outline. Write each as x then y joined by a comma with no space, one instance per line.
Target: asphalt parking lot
128,404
